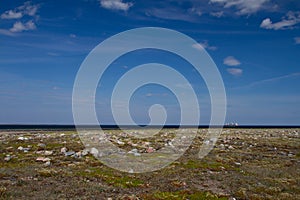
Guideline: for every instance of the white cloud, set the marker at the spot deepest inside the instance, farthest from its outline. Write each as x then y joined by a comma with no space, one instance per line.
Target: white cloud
115,4
10,14
235,71
297,40
287,22
245,7
217,14
231,61
72,36
196,11
19,12
204,45
19,26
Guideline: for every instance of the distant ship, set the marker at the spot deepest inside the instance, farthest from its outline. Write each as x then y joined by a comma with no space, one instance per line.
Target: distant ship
232,124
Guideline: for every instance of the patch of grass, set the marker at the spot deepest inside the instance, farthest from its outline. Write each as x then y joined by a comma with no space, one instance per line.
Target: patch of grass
214,166
46,172
180,195
107,175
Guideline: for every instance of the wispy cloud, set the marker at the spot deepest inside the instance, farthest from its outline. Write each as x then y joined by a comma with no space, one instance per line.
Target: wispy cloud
244,7
235,71
204,45
168,14
287,22
297,40
115,4
6,32
217,14
269,80
231,61
19,26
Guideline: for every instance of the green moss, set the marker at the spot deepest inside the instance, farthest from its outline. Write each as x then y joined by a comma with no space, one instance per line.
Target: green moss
108,176
195,164
197,195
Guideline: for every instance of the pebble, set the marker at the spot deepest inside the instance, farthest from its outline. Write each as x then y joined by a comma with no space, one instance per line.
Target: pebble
43,159
20,148
84,152
230,147
94,151
7,158
48,153
120,142
150,150
47,164
22,138
69,153
63,150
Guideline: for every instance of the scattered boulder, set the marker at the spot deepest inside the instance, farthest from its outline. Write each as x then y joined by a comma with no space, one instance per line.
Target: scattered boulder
69,153
43,159
48,153
63,150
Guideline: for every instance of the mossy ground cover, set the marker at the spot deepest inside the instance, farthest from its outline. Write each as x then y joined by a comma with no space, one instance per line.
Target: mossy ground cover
245,164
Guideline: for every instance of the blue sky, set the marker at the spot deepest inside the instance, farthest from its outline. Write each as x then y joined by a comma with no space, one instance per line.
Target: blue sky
254,43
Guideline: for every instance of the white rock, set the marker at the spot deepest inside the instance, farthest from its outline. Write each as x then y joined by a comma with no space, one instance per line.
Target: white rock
22,138
48,163
94,151
63,150
230,147
48,153
69,153
7,158
84,152
20,148
43,159
120,142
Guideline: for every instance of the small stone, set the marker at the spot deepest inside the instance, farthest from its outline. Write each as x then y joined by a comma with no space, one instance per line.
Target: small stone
133,151
237,163
69,153
25,150
22,138
7,158
120,142
78,154
20,148
230,147
41,145
43,159
137,154
84,152
94,151
150,150
47,164
63,150
48,153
